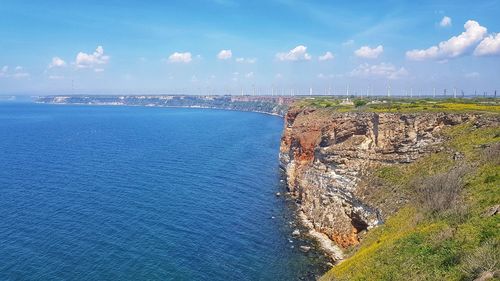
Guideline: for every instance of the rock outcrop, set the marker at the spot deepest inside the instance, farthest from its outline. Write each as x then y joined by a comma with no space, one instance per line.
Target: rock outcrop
326,154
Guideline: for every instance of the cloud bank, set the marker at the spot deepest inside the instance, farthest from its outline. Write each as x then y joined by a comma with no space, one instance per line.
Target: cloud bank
454,47
18,72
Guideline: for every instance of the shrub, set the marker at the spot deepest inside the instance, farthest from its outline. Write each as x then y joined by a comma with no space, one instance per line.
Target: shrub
492,153
482,260
359,103
440,193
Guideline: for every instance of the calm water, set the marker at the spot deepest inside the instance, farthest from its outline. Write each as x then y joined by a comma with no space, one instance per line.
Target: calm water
131,193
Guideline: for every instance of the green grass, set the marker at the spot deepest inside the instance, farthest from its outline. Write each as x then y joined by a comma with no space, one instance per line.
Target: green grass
406,105
413,245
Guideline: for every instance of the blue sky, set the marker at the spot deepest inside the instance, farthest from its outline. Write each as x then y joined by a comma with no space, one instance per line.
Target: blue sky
226,46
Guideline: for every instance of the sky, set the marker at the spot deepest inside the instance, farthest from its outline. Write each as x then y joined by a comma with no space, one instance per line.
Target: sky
249,47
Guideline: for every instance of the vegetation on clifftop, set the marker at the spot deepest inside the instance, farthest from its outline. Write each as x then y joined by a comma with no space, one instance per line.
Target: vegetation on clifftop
404,105
448,229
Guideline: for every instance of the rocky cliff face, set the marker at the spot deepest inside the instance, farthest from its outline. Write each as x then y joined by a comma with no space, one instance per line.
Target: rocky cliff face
326,154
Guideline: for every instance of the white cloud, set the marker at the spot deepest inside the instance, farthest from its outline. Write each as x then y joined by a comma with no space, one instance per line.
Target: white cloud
225,54
489,46
326,76
84,60
57,62
454,47
246,60
348,43
4,70
180,57
19,75
98,69
326,56
249,75
296,54
382,70
369,53
445,22
472,75
56,77
278,76
18,72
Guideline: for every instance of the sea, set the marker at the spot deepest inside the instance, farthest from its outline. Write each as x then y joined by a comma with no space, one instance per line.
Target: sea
144,193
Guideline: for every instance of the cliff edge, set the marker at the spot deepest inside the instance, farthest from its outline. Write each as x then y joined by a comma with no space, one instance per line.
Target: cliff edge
329,158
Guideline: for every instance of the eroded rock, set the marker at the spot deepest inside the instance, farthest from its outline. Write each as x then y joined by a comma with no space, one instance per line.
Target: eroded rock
325,155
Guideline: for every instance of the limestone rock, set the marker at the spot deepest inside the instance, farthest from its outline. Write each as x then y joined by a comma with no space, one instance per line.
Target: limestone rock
326,153
492,211
305,249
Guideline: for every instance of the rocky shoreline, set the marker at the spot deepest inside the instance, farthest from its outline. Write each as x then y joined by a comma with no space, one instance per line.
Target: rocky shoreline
328,246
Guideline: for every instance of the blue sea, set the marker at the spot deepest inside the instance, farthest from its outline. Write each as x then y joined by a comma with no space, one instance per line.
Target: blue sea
137,193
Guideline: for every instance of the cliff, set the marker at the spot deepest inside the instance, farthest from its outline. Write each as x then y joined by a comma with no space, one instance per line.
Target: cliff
264,104
331,159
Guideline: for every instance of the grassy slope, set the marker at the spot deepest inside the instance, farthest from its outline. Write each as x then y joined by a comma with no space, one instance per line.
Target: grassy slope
413,245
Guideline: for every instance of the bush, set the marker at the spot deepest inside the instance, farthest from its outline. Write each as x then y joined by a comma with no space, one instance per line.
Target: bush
440,193
482,260
491,154
358,103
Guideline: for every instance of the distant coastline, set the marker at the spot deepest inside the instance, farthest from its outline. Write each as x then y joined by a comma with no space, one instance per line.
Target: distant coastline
276,106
